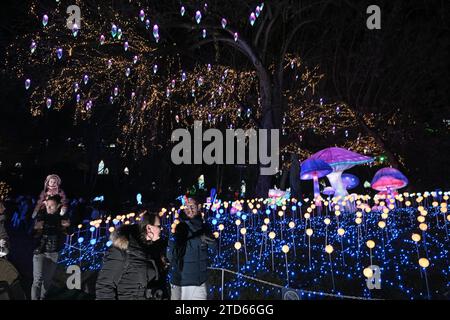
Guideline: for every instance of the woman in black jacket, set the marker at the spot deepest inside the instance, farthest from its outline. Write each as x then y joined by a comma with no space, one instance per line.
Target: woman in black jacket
134,267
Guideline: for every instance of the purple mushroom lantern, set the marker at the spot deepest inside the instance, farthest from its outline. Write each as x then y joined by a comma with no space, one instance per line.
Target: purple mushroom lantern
350,181
314,169
388,180
340,160
328,191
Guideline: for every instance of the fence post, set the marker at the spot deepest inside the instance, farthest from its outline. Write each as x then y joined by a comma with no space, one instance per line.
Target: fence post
223,276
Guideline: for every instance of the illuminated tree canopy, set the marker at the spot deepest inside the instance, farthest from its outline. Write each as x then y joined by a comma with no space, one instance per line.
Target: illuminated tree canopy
160,65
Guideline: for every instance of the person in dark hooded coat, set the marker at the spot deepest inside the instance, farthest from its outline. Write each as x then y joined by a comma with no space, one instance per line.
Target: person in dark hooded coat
134,268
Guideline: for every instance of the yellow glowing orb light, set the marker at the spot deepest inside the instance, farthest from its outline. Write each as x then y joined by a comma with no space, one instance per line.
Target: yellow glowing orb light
266,220
337,213
421,219
385,210
448,217
424,263
415,237
313,206
255,211
127,222
307,216
327,221
358,220
370,244
381,224
221,227
291,224
423,227
285,249
80,226
309,210
329,249
280,213
384,216
237,245
243,231
264,228
238,222
368,272
309,232
216,234
283,208
341,232
359,214
272,235
435,204
111,229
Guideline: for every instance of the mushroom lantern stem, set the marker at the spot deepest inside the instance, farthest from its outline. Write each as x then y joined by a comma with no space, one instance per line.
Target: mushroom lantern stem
335,179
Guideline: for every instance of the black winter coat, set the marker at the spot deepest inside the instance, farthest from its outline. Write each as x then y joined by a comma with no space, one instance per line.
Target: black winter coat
188,252
52,236
133,269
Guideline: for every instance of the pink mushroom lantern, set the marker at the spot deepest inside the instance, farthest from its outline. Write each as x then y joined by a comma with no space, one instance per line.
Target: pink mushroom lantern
387,180
314,169
340,160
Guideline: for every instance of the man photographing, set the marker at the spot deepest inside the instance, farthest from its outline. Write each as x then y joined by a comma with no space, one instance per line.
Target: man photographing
188,254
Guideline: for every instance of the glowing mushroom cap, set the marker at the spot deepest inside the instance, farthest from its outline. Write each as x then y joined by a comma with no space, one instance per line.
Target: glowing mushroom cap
388,179
314,167
350,181
341,159
328,191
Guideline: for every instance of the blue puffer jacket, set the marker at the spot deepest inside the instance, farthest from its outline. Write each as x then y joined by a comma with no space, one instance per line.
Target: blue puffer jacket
188,252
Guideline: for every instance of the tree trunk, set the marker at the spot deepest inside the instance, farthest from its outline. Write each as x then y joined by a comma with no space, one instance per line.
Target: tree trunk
264,181
294,176
392,158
